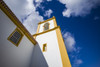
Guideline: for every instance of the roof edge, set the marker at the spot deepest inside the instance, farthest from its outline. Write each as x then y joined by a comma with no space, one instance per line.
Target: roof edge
15,20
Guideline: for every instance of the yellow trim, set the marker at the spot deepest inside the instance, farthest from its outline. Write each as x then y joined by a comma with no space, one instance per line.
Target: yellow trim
62,48
55,26
15,20
46,31
47,20
44,50
55,23
34,37
38,29
13,33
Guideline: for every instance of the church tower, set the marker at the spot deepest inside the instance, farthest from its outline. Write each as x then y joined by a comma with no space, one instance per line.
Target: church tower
51,43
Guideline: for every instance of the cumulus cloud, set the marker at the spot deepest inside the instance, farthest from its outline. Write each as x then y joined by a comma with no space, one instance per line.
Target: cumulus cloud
78,7
38,0
21,8
49,0
77,62
38,3
26,13
31,22
69,41
96,18
48,13
72,49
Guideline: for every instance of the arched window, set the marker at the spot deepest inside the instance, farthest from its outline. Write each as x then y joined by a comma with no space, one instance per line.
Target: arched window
46,26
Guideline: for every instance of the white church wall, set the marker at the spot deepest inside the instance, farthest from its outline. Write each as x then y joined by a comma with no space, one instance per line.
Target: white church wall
52,55
38,59
10,55
51,22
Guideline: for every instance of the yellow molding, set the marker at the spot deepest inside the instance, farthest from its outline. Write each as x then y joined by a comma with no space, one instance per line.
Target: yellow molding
62,48
47,20
15,20
38,29
55,23
13,33
45,31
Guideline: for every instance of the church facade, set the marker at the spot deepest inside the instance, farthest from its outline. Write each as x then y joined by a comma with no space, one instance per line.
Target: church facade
18,48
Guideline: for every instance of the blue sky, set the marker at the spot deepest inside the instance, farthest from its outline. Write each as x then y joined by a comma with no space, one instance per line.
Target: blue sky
79,21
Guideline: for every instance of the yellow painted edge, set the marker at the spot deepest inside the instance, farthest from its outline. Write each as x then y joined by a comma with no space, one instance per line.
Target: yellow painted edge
38,29
62,48
55,23
45,31
47,20
13,33
15,20
34,37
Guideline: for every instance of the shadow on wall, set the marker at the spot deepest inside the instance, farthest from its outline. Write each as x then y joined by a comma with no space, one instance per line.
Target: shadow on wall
37,59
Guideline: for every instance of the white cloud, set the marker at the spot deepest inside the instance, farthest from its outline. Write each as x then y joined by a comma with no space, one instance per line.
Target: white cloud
71,47
77,62
48,13
49,0
23,9
66,13
96,18
69,41
38,0
78,7
32,21
38,3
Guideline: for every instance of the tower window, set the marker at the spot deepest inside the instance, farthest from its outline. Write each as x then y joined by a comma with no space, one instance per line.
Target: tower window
44,47
15,37
46,26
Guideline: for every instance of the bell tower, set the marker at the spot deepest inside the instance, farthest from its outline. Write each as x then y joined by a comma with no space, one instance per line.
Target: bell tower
51,43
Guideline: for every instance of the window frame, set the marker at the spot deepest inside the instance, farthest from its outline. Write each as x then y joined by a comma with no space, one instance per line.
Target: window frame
44,27
44,47
19,31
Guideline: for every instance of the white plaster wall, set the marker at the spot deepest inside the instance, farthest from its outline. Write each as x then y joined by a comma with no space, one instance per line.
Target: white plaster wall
10,55
38,59
51,22
52,55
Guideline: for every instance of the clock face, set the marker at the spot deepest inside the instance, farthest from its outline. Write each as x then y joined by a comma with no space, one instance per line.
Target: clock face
46,26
